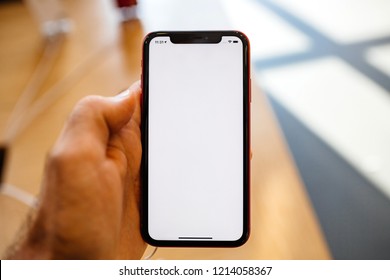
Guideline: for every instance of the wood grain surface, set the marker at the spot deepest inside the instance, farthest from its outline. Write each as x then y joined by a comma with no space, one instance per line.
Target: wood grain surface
102,56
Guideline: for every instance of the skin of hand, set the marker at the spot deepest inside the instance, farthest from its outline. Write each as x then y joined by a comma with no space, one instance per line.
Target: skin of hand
89,207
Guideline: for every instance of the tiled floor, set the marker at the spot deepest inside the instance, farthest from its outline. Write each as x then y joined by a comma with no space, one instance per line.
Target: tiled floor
325,66
260,25
345,108
379,57
344,21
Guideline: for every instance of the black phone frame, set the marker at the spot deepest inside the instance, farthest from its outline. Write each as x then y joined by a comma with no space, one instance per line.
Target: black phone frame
193,37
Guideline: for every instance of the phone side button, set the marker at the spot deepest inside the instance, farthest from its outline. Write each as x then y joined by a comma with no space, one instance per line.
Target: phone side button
250,90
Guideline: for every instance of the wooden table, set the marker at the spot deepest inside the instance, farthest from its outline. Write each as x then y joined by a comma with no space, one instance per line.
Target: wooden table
102,56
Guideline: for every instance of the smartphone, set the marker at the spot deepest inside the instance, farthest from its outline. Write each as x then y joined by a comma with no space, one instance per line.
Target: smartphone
195,139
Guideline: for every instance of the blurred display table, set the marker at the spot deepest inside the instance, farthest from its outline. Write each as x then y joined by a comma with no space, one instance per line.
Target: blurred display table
102,56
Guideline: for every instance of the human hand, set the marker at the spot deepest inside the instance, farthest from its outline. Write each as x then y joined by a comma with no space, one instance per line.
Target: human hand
89,207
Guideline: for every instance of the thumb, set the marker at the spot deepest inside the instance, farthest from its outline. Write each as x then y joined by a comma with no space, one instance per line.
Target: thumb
95,118
125,106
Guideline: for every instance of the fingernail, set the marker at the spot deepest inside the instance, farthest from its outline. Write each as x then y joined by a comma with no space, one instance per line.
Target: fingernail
124,94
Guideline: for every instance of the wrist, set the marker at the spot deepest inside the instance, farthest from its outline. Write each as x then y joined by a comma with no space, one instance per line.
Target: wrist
33,241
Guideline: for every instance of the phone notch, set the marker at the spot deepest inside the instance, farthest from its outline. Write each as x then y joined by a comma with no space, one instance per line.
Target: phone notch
195,38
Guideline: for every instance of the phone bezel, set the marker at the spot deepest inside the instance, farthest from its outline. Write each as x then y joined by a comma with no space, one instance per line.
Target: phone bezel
201,37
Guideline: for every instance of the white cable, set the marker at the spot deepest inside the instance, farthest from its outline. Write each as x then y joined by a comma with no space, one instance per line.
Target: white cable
32,87
54,93
18,194
151,254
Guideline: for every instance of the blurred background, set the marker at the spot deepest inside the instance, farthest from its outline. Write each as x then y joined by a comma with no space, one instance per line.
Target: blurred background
324,67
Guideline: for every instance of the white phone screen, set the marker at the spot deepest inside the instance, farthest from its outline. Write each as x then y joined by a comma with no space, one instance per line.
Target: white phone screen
195,142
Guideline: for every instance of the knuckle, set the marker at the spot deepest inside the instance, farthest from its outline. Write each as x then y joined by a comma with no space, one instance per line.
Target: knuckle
56,159
90,101
64,154
86,106
59,157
